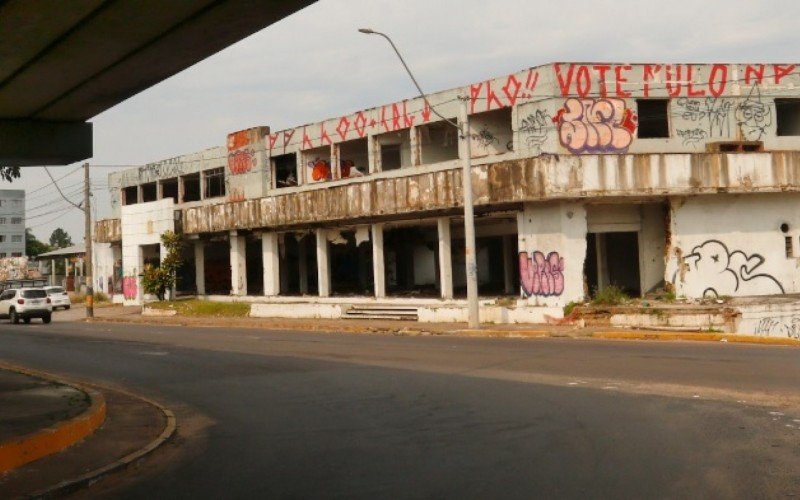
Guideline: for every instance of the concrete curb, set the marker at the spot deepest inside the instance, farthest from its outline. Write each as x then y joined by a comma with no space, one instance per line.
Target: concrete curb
21,450
706,337
84,480
419,329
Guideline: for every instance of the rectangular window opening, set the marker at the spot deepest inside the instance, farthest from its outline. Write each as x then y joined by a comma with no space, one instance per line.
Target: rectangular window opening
130,195
215,182
191,188
787,112
653,118
285,168
788,247
149,192
438,142
354,158
394,149
169,189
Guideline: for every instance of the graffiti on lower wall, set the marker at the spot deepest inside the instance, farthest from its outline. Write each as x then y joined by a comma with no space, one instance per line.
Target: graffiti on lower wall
541,275
712,270
595,125
779,327
130,288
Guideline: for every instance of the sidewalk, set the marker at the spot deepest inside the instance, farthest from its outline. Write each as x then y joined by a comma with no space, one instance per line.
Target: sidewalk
56,436
132,315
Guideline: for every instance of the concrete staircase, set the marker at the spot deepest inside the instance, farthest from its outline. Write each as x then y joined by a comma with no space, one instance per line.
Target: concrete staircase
382,311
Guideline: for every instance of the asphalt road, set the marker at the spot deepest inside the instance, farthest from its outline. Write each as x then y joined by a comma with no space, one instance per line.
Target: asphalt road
279,414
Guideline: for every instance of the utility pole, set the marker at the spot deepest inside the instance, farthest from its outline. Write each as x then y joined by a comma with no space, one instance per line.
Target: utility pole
464,151
469,215
87,210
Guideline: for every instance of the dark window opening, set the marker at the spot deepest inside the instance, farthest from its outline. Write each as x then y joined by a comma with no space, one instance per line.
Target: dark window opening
298,264
438,142
736,147
215,182
149,192
653,118
787,112
351,266
789,248
169,189
191,188
395,150
411,261
285,168
217,268
255,266
185,277
130,195
620,268
353,158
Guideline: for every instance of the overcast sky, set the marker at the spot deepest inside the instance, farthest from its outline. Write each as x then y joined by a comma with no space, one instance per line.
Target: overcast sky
315,65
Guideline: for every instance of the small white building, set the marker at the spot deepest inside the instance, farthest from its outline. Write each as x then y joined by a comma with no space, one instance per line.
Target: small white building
681,177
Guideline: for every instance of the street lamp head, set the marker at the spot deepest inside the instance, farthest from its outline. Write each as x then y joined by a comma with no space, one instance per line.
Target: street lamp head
366,31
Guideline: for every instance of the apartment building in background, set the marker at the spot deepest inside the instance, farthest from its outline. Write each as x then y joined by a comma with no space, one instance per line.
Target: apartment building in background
652,177
12,223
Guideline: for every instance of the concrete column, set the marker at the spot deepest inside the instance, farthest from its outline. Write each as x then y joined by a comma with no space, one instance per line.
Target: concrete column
374,153
302,264
200,267
53,272
323,264
238,264
416,152
181,189
301,168
378,272
445,258
139,195
270,256
66,271
336,167
508,264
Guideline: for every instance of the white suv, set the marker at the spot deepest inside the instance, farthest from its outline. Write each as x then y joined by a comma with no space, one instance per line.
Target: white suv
58,297
25,303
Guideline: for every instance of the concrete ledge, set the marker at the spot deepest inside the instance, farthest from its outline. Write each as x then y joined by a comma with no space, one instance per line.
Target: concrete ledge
24,449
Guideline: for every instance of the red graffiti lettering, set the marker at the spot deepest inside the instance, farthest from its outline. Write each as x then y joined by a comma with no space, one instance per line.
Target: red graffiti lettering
601,71
320,170
273,138
323,135
782,71
583,82
474,93
360,124
426,112
751,72
650,72
674,86
238,139
287,136
511,89
541,276
619,80
306,140
690,91
491,97
343,127
564,82
718,79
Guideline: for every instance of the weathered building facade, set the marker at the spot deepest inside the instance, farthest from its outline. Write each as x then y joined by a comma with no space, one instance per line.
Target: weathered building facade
647,176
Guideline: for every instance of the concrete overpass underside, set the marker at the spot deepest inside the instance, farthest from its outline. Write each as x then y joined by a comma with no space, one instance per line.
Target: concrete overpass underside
63,62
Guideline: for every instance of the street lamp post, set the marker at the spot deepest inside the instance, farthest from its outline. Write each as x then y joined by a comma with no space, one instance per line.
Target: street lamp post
464,151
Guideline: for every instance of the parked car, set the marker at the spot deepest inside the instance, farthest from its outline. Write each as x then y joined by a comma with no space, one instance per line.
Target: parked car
24,304
58,297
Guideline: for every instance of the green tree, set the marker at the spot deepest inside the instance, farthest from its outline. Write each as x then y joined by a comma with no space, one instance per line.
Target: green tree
8,174
33,246
60,239
157,280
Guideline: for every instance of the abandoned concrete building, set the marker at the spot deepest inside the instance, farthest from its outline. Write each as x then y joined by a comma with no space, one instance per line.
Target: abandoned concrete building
646,176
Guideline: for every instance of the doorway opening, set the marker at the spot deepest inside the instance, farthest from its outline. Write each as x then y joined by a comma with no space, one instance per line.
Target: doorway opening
613,259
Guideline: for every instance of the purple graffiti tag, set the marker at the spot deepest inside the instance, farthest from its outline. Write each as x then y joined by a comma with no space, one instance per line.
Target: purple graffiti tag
541,276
